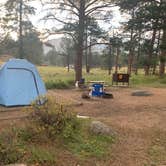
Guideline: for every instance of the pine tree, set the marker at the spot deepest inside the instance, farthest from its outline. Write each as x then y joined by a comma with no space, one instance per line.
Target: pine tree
17,20
77,12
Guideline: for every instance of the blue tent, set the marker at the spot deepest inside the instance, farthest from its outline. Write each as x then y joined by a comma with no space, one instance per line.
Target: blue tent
20,83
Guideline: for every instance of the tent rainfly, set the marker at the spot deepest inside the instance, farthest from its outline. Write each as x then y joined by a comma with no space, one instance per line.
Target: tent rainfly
20,83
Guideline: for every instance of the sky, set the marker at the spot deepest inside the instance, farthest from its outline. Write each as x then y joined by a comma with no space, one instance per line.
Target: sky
41,25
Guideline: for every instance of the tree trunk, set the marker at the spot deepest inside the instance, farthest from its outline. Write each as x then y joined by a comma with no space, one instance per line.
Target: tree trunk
156,54
68,62
138,54
117,60
86,50
110,60
131,54
163,53
151,49
89,57
80,39
20,31
131,50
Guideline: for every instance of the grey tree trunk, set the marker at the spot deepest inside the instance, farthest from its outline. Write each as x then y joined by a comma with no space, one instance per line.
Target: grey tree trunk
163,53
80,39
20,30
151,49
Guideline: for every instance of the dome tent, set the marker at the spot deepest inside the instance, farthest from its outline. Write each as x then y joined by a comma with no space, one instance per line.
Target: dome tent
20,83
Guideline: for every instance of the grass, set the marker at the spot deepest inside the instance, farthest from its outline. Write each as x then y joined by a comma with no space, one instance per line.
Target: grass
59,78
48,133
92,146
56,77
150,81
41,155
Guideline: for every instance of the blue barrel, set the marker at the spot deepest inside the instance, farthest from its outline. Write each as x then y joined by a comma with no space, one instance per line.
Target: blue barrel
97,90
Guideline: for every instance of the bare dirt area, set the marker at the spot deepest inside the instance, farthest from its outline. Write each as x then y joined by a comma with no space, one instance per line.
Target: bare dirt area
11,116
139,121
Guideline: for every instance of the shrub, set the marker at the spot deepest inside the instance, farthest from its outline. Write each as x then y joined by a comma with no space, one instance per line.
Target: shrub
53,118
10,150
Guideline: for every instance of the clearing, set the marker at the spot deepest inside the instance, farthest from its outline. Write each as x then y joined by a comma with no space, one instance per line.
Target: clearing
139,121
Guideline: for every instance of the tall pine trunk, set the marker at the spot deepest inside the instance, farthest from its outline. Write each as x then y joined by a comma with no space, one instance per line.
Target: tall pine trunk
156,54
89,58
117,59
131,53
80,40
131,49
20,30
110,60
68,62
151,49
163,53
86,50
138,53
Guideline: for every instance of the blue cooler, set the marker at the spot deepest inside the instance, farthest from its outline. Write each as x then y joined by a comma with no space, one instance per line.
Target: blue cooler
97,90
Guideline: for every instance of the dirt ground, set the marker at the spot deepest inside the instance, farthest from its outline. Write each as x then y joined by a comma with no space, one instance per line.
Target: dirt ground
137,120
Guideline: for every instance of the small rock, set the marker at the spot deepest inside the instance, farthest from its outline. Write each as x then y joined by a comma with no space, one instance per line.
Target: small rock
85,95
141,93
83,117
99,128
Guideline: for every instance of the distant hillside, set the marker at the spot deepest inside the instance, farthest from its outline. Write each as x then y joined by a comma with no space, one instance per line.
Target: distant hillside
58,42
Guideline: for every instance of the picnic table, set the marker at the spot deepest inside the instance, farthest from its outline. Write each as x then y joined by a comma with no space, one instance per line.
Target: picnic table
97,82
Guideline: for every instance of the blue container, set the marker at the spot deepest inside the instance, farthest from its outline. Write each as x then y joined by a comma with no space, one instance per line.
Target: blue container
97,90
82,81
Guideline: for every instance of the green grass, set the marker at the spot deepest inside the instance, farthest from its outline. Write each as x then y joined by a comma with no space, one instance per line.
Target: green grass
56,77
84,144
91,146
59,78
41,155
149,81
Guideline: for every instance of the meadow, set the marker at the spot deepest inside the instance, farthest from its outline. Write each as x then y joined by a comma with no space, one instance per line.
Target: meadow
59,78
53,135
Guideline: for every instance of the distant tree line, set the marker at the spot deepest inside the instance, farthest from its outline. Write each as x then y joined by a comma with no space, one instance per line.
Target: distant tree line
140,44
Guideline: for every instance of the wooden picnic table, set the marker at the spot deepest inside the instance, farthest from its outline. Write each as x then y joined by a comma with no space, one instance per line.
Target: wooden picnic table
98,82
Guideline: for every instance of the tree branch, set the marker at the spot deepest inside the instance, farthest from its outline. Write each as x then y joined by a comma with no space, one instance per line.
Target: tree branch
52,17
93,44
91,3
73,5
98,7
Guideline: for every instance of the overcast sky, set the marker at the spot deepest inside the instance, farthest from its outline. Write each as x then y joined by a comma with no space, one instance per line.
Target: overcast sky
40,25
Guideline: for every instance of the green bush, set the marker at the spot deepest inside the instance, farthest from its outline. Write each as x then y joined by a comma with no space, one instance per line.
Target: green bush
10,150
53,118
